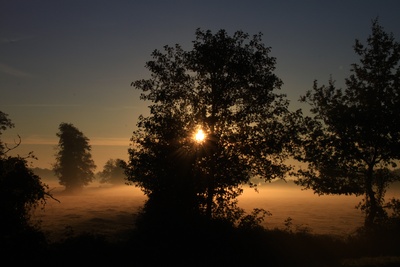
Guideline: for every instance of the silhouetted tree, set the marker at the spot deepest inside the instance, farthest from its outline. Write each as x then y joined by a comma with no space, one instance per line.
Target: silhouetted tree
74,165
225,86
21,191
113,172
5,123
353,139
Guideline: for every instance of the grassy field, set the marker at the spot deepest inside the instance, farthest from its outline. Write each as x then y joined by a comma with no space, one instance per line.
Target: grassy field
97,228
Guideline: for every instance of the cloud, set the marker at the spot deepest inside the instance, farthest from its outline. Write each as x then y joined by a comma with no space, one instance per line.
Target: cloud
43,105
14,39
40,140
47,140
121,108
109,141
13,71
13,138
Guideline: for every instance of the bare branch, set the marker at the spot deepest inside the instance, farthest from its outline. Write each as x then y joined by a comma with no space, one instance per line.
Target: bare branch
16,144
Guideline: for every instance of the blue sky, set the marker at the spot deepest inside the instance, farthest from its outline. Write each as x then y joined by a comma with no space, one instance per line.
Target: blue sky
73,61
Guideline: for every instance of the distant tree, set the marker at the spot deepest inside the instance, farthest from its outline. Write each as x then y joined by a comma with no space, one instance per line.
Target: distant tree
74,165
113,172
353,141
226,87
21,191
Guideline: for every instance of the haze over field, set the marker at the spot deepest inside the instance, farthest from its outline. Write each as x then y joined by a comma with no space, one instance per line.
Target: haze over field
110,210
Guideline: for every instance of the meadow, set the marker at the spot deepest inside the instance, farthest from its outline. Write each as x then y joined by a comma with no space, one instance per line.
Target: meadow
97,227
110,210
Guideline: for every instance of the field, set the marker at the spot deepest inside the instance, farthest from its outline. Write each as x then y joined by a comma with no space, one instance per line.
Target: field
95,228
111,210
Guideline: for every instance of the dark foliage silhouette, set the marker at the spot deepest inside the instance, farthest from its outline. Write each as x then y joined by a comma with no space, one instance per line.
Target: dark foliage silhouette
353,141
74,164
224,86
21,192
5,123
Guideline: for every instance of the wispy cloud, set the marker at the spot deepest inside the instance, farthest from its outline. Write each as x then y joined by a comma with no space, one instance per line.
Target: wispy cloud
12,139
13,71
38,140
43,105
109,141
14,39
47,140
121,108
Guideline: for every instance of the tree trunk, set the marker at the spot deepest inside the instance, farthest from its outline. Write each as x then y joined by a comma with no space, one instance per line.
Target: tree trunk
212,144
211,177
370,199
210,196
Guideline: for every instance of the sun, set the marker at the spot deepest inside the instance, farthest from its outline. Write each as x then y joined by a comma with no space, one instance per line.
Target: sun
199,136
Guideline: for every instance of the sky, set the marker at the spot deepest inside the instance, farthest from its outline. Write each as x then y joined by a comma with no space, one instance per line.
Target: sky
73,61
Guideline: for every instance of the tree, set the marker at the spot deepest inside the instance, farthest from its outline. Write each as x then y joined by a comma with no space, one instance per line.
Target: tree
224,86
353,140
21,191
5,123
74,165
113,172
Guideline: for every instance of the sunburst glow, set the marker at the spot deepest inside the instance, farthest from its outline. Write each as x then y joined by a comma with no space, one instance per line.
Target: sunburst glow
199,136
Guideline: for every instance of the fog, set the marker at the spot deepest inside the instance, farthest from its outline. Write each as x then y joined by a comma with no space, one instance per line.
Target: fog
110,210
334,215
105,210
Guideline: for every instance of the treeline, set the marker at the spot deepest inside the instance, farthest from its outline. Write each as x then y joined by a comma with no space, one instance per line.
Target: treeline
112,173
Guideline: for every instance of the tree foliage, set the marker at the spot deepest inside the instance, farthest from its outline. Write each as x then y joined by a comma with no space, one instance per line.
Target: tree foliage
21,191
225,86
353,140
5,123
113,172
74,164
